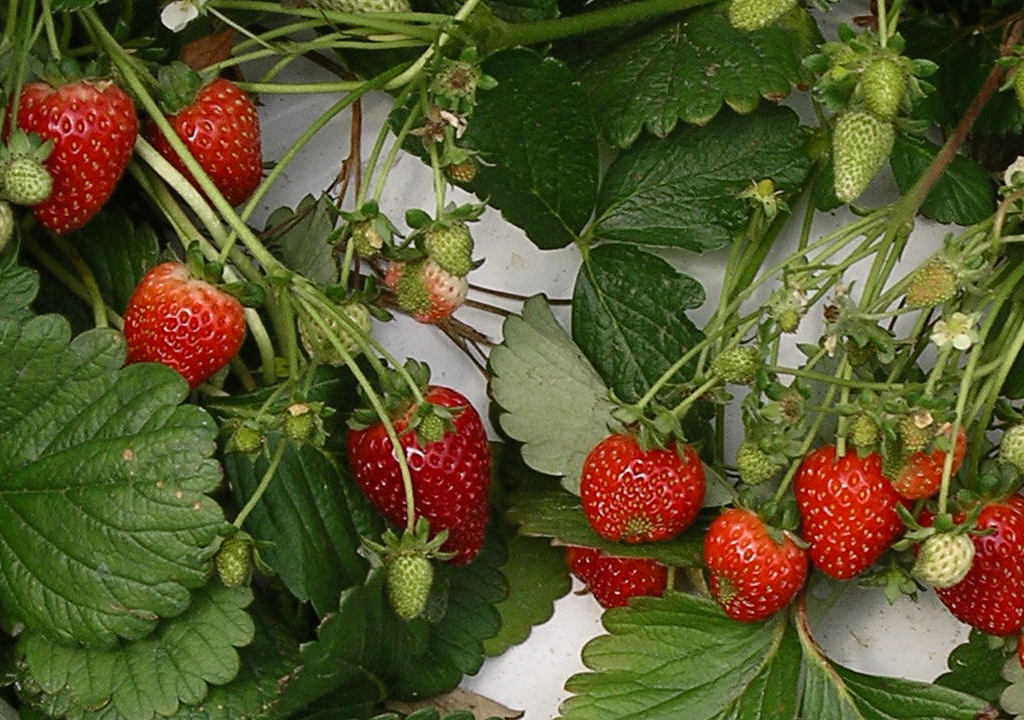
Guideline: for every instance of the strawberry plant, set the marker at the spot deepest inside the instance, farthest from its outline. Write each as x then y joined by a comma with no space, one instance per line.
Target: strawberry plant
341,340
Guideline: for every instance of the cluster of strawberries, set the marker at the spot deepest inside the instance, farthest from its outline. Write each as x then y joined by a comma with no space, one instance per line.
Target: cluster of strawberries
850,513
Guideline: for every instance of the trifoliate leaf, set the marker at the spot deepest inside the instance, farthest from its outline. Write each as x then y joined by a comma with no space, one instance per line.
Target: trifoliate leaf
559,515
680,656
553,401
629,317
537,576
548,184
975,668
304,518
299,238
689,69
964,195
103,482
684,191
838,693
153,676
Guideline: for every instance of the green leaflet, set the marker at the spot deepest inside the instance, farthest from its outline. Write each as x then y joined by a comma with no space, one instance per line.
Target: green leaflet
548,184
680,657
629,317
963,195
683,191
18,288
103,482
552,399
300,238
976,668
689,69
149,677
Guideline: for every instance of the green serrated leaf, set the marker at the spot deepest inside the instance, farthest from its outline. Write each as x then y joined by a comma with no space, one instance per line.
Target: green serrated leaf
838,693
629,317
153,676
559,515
304,517
74,5
298,238
964,195
18,288
455,644
684,191
553,401
103,482
548,185
119,252
679,656
689,69
537,576
975,668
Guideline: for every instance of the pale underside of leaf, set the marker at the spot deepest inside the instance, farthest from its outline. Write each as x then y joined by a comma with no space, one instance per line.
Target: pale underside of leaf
553,400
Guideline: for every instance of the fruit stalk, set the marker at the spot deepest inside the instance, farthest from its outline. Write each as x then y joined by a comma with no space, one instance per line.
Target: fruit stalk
392,23
268,476
85,274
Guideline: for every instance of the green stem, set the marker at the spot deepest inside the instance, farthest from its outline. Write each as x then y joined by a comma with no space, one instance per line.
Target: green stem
378,145
834,380
313,88
883,23
805,447
275,461
938,369
388,22
51,33
442,39
67,279
85,274
961,403
682,408
505,35
845,370
244,32
389,161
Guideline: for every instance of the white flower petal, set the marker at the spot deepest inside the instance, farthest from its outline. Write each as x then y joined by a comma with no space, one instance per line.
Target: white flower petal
177,15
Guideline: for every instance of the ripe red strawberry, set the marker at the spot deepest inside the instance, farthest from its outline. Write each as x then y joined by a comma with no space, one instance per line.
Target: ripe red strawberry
638,495
847,510
93,127
425,290
451,477
752,575
222,130
921,475
183,322
614,580
991,596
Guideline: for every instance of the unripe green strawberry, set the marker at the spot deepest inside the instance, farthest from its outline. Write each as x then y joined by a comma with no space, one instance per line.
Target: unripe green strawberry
738,365
408,579
26,181
462,173
456,79
1011,447
755,14
299,427
366,239
451,246
864,433
935,282
944,559
431,429
788,320
317,341
6,223
363,6
754,464
246,440
861,144
884,83
914,438
233,561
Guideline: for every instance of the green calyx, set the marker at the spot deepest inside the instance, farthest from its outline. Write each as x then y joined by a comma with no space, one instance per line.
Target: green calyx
409,572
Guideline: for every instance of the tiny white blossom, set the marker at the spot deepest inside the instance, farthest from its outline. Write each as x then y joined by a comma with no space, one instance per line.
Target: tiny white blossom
1014,174
956,330
178,14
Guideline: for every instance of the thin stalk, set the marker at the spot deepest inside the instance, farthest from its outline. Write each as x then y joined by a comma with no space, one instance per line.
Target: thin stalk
51,33
85,274
313,88
67,279
389,161
275,461
388,22
805,447
834,380
442,39
378,145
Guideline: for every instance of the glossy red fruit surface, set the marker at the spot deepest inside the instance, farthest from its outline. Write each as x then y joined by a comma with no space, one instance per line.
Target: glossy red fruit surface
921,476
614,580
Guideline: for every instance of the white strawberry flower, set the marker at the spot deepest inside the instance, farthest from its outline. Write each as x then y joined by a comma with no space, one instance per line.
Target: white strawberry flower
956,330
178,14
1014,174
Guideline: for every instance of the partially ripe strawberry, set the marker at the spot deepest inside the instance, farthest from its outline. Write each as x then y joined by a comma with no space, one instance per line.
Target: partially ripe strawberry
752,575
861,143
991,595
638,495
614,580
847,510
920,476
222,131
93,126
451,477
425,290
182,322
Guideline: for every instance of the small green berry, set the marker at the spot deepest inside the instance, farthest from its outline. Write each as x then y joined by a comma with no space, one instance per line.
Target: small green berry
317,341
864,433
246,440
738,365
788,320
26,181
1011,447
944,559
935,282
913,437
408,578
884,83
461,173
430,429
450,245
755,14
299,428
368,242
233,561
754,464
861,144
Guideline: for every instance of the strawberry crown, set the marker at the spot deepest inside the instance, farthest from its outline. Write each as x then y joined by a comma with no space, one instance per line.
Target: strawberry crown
178,85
